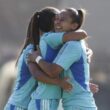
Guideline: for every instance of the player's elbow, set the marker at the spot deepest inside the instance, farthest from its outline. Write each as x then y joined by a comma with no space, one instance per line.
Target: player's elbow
84,34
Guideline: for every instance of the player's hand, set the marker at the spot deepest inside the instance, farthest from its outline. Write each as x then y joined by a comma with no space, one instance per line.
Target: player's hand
94,87
89,53
65,85
32,56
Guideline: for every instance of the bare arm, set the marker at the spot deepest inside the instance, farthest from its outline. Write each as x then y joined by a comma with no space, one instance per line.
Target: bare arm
51,69
77,35
40,76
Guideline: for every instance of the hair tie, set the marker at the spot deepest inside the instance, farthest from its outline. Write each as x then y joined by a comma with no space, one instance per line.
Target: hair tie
38,14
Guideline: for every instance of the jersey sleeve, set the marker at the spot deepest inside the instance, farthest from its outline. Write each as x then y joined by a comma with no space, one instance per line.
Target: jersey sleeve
68,54
27,51
54,39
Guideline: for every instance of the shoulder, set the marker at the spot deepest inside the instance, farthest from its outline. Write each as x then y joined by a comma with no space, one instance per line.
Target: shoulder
55,34
29,47
73,46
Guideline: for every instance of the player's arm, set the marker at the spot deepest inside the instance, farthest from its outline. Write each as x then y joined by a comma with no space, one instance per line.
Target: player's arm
77,35
41,76
51,69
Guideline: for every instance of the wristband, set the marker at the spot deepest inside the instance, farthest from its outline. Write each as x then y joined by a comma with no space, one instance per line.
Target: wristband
38,59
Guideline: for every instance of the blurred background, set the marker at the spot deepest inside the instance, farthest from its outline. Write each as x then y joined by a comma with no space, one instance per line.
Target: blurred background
14,18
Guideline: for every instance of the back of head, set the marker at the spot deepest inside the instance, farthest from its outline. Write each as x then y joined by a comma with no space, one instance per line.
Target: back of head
46,18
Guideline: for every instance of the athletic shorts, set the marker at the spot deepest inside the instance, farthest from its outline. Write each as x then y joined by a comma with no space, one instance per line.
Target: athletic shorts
13,107
44,104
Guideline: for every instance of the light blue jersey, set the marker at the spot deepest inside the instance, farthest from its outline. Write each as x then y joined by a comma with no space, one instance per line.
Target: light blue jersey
25,83
50,44
72,58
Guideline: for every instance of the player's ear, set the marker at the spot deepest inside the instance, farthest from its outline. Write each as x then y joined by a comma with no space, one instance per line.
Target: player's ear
74,26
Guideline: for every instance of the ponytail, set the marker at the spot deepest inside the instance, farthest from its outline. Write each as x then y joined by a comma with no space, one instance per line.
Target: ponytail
80,17
35,34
